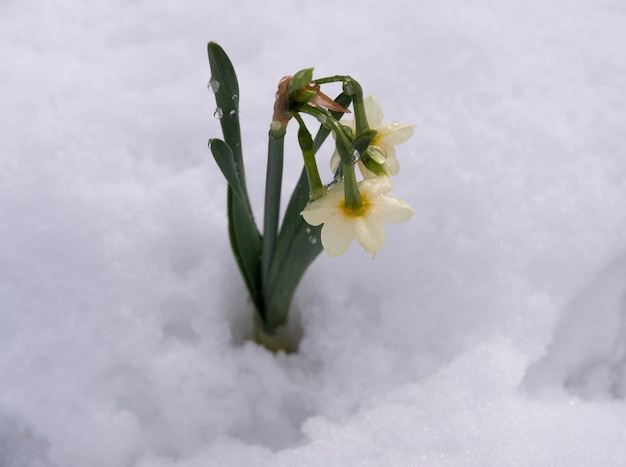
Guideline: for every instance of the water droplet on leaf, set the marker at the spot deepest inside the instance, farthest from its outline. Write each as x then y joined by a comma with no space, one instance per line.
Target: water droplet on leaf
214,85
219,113
232,113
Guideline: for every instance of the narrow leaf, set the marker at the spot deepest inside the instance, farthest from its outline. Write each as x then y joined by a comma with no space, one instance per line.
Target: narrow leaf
225,160
303,249
226,88
246,244
244,235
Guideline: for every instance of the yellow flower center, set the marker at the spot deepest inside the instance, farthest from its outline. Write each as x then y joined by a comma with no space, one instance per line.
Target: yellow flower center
351,212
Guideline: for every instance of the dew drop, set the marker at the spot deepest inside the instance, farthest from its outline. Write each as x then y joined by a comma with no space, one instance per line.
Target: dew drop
219,113
213,85
312,240
232,113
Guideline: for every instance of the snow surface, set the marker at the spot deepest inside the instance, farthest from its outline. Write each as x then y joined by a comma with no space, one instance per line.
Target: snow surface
491,329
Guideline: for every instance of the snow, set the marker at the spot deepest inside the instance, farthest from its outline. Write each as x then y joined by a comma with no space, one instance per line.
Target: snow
489,331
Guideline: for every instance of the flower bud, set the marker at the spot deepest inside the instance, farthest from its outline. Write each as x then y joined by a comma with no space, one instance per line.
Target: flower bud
300,80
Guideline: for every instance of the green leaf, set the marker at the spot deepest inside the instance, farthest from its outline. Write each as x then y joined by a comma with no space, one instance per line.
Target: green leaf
246,244
245,238
223,155
226,88
298,245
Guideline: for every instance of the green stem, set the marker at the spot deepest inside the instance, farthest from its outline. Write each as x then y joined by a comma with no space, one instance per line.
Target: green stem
358,105
351,189
305,140
342,141
354,90
273,181
333,79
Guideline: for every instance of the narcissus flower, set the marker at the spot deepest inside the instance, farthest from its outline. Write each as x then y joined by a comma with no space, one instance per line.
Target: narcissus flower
382,149
342,224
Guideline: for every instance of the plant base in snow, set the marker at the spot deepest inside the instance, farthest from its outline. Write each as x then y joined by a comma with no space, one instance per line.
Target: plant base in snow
279,339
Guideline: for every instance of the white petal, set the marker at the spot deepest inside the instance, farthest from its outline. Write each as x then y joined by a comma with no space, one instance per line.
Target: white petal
335,159
370,234
323,209
390,209
388,149
373,111
375,186
394,133
365,172
337,235
392,163
318,215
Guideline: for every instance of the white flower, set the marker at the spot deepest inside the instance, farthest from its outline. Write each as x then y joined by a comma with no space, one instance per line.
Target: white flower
382,149
342,224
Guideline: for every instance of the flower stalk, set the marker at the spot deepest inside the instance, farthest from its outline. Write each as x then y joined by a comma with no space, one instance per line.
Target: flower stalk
305,140
352,196
273,185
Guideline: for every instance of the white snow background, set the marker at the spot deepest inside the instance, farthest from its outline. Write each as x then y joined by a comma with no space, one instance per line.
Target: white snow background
489,331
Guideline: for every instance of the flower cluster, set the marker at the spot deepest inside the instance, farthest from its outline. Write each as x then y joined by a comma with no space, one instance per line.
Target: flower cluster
342,221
